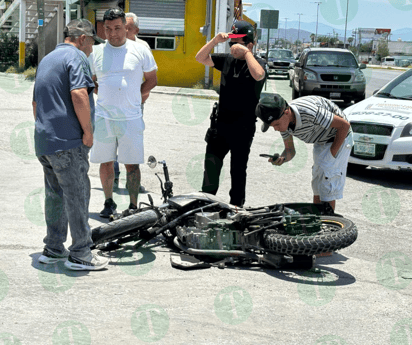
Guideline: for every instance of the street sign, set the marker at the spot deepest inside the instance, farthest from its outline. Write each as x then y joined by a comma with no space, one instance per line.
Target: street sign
40,22
269,19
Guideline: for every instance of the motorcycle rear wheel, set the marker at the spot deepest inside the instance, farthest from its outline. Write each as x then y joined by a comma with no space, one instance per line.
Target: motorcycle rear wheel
336,233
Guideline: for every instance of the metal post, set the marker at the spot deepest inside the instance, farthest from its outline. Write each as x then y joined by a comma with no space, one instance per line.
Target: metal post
68,14
299,14
22,34
346,21
59,37
286,23
317,20
41,39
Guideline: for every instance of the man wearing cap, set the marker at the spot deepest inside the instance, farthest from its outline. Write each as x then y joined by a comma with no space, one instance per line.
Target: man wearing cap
119,66
319,121
242,79
63,109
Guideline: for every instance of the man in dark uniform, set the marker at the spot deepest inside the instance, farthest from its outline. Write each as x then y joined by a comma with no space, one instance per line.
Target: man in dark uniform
242,79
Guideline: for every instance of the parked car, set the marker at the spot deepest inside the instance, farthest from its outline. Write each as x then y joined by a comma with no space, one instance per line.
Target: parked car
388,61
382,126
329,72
279,61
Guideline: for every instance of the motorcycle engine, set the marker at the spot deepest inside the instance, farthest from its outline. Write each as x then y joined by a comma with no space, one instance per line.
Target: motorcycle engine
210,232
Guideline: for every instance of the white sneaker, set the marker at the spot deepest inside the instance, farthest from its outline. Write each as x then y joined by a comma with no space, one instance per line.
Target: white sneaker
50,257
97,263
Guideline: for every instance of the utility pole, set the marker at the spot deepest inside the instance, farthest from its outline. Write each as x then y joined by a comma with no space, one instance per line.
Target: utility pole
286,23
317,20
299,14
346,21
41,39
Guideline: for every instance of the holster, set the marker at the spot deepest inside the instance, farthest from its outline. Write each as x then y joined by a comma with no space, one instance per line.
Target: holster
212,130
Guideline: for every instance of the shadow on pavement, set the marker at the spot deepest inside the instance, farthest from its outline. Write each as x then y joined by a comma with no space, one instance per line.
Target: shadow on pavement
398,179
56,268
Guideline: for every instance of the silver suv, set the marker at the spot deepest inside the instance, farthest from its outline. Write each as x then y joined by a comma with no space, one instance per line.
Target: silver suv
328,72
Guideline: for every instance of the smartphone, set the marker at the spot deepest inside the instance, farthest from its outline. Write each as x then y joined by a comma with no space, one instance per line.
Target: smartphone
274,157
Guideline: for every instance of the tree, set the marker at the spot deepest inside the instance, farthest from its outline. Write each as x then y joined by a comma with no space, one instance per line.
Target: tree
350,40
383,49
312,37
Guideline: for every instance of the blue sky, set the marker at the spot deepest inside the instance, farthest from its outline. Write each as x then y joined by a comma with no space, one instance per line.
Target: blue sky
391,14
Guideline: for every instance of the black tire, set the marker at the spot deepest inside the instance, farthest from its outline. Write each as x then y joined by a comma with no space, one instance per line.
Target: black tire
124,226
338,233
295,94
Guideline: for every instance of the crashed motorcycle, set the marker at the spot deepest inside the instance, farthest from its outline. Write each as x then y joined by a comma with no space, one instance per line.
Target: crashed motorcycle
206,231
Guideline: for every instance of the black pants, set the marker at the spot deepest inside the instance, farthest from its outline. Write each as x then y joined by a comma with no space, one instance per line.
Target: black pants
237,139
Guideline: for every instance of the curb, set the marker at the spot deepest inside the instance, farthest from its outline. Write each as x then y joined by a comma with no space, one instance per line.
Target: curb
197,93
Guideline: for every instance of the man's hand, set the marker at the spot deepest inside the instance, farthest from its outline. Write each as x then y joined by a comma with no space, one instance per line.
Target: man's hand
221,37
278,161
238,51
88,139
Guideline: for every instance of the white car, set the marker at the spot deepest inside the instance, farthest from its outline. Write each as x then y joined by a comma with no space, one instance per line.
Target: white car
382,126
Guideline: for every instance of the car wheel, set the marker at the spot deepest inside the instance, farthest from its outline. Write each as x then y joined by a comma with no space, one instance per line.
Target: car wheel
295,94
356,167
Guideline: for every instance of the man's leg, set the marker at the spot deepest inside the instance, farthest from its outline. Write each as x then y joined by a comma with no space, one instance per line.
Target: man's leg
133,182
107,178
316,200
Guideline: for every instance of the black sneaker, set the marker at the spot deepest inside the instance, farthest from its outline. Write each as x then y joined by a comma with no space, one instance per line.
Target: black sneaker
116,184
132,207
109,208
50,257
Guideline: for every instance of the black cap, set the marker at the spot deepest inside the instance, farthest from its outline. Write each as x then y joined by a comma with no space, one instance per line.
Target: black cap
242,28
270,109
80,27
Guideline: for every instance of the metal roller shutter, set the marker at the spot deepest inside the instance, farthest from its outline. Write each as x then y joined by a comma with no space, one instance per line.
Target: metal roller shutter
156,17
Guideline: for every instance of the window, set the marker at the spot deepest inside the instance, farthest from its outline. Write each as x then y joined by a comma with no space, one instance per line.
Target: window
160,43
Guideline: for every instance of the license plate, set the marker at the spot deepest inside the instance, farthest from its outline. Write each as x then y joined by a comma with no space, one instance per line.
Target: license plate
335,94
364,149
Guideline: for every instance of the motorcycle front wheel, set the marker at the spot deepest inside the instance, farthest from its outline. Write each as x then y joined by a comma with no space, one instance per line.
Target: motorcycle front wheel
336,233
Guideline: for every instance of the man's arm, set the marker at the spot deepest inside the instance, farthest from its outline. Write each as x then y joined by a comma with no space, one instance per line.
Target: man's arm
239,51
80,99
288,153
342,126
34,105
149,83
96,84
203,55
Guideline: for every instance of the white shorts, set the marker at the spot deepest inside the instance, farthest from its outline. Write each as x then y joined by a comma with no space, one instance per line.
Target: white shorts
328,172
123,139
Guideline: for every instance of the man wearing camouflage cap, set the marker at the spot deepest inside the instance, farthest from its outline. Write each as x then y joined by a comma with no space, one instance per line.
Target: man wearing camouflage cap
63,108
315,120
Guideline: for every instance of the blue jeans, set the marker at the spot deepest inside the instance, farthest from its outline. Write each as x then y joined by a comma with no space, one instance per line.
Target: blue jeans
67,200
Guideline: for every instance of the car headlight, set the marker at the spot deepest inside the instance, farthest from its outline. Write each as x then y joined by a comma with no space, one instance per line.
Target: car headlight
359,77
309,76
407,131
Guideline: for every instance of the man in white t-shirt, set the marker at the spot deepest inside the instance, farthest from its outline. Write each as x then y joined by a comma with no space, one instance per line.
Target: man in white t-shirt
119,66
132,26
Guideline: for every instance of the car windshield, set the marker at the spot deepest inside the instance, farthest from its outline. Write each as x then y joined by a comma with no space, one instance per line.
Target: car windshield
327,59
400,87
280,54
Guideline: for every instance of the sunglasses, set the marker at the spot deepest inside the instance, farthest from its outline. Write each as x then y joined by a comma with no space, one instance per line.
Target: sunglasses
114,12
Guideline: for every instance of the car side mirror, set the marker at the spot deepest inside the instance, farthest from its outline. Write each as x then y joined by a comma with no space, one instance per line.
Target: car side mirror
375,92
297,64
362,66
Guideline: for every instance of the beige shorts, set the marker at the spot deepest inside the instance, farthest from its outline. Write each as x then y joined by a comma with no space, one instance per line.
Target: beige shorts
123,139
328,172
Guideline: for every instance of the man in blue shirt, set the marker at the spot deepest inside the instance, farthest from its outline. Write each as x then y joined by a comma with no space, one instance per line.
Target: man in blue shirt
63,109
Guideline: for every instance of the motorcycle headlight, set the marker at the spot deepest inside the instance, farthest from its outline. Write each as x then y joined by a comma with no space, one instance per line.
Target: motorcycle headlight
407,131
309,76
359,77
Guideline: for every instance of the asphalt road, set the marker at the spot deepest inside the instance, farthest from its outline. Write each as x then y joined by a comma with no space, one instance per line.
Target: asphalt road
359,295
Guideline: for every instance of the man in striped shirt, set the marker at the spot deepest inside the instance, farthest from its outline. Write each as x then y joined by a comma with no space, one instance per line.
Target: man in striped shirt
315,120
